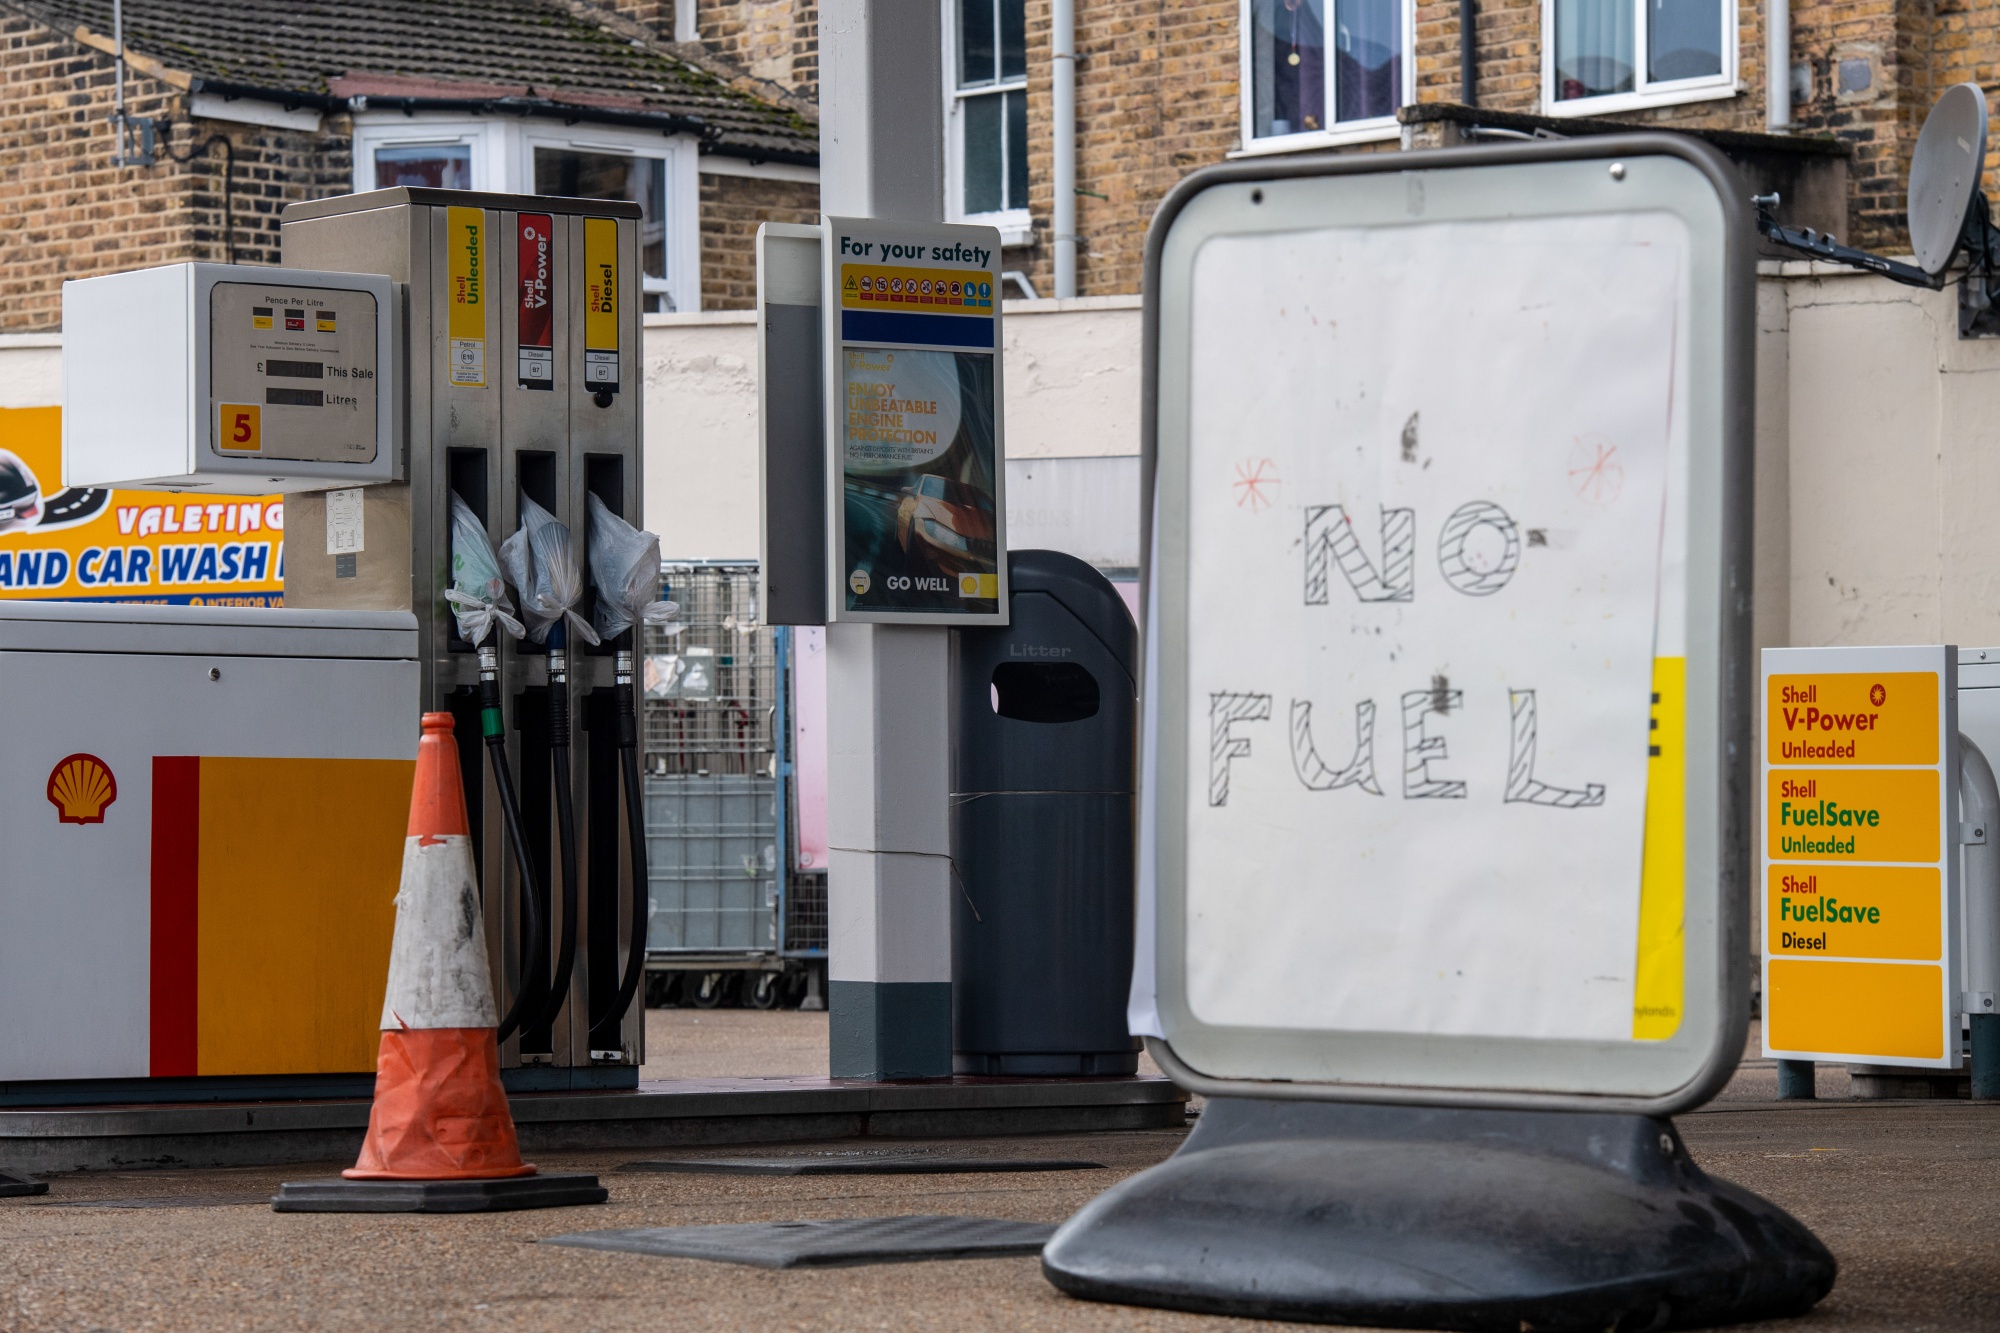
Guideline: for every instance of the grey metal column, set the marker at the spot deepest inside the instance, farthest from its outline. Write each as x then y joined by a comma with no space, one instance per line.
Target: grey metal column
889,880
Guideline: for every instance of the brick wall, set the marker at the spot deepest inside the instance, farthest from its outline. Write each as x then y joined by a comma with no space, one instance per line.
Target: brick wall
1157,97
731,208
67,212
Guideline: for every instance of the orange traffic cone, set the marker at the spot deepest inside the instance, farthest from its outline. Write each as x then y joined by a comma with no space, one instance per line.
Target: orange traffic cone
440,1112
440,1136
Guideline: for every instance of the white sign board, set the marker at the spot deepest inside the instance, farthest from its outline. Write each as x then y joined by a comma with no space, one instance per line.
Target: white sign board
1419,750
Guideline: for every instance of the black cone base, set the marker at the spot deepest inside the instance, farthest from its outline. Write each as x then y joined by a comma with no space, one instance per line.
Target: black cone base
15,1187
552,1189
1429,1218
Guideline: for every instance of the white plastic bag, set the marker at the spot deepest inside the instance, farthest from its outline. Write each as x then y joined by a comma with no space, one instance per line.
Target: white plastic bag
541,562
477,595
625,566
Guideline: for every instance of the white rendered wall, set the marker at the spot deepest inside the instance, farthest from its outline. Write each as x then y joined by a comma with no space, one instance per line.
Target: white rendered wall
1072,390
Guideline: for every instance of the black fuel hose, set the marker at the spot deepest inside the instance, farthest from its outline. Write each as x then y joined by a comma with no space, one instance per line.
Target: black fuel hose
494,727
559,759
635,821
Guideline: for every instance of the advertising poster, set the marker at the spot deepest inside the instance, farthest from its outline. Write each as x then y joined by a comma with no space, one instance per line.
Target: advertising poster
918,522
67,545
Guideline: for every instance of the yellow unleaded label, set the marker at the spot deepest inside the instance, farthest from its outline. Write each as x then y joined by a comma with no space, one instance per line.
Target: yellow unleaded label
1853,911
1853,718
465,295
1885,814
1657,987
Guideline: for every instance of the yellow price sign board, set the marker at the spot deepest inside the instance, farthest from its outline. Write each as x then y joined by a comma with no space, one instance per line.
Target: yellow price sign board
1869,814
1860,820
1888,717
1854,911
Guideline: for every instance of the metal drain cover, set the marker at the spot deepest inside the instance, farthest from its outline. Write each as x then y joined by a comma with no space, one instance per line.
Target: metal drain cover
826,1242
858,1164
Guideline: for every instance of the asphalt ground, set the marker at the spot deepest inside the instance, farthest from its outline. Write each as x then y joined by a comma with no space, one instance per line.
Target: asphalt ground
1907,1195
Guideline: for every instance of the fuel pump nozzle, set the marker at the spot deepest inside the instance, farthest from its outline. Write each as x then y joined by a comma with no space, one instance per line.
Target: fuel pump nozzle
478,600
625,568
541,561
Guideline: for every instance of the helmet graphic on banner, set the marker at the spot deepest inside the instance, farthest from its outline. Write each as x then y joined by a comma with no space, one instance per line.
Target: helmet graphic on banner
20,494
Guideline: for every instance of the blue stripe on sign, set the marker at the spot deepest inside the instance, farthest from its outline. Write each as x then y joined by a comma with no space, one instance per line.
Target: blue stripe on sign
891,326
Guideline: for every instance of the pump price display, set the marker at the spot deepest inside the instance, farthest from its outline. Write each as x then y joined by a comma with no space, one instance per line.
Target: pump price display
1860,799
292,373
914,395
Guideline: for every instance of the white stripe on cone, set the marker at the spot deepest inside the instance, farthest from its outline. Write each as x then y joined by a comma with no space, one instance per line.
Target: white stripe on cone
438,977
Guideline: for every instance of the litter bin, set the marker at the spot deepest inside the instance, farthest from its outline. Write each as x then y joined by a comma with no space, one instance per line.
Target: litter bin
1043,836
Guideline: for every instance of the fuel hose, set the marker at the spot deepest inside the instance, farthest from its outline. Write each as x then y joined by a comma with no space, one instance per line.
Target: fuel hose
494,728
635,821
559,759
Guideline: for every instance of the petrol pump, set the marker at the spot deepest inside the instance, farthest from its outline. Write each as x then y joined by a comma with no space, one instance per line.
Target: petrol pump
523,388
441,386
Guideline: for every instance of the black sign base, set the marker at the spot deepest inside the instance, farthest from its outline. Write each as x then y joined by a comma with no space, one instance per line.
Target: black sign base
1413,1217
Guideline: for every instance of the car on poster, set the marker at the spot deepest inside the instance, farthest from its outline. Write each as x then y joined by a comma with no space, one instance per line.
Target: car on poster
62,543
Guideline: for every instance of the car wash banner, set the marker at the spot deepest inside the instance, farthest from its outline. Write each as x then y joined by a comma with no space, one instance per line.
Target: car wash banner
917,522
60,544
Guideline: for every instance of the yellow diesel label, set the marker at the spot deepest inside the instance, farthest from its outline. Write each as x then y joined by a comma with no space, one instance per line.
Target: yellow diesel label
600,263
1854,911
465,294
1853,814
1885,1010
600,306
939,291
1853,718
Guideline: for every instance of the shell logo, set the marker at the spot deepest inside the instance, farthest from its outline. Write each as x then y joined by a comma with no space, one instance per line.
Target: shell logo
80,786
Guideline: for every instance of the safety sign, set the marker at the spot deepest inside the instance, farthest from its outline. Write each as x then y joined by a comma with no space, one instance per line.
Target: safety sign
1860,811
916,529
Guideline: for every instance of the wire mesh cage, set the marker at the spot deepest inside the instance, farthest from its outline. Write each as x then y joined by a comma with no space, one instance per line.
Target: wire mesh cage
711,691
711,742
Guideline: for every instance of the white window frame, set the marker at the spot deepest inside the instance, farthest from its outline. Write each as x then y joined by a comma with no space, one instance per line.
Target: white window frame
503,161
1671,92
1016,225
681,205
428,129
1375,129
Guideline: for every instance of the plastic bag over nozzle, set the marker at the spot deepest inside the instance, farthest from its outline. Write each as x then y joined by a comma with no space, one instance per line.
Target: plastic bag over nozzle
477,595
625,566
541,562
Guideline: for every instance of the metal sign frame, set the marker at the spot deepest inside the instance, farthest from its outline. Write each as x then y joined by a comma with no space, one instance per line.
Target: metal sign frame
922,236
1612,174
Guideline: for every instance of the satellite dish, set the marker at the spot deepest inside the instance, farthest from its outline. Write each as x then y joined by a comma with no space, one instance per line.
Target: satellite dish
1947,212
1944,174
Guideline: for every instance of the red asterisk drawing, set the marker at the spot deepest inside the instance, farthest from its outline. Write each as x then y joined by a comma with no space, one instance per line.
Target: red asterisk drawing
1256,482
1595,471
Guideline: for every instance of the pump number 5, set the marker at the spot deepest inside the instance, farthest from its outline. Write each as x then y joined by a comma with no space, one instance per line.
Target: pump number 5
241,428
